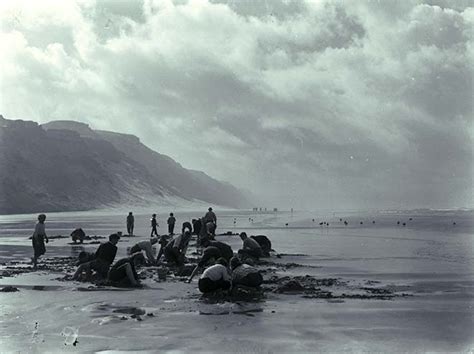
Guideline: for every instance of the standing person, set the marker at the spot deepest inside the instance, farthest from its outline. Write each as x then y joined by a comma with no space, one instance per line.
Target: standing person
171,222
211,217
197,224
130,223
154,225
38,240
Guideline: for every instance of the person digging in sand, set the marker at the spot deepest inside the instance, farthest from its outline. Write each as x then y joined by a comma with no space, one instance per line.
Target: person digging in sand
244,274
175,250
104,257
38,239
124,272
250,247
215,278
209,256
147,246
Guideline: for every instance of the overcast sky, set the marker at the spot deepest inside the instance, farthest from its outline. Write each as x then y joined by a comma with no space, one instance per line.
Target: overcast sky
318,104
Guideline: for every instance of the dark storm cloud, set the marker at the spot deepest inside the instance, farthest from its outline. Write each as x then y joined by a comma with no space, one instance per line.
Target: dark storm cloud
313,104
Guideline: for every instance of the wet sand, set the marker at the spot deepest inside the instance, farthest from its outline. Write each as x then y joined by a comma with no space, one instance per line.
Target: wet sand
361,288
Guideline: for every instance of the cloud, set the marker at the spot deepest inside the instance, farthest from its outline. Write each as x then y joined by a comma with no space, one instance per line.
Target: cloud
322,104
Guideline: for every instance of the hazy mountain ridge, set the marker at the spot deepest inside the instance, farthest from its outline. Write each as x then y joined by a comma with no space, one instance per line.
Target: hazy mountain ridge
65,166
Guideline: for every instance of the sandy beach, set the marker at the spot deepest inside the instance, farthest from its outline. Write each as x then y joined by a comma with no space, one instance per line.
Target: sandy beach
371,286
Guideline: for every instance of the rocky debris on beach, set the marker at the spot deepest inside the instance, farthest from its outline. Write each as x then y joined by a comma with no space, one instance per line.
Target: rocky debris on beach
9,289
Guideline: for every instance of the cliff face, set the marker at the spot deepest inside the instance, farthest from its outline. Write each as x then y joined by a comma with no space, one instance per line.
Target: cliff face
65,166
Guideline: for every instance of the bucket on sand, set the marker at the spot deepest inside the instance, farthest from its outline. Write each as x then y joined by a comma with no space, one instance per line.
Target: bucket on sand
162,273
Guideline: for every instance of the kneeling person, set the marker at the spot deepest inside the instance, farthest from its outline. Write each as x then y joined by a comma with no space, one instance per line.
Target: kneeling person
103,258
250,247
215,277
243,274
124,271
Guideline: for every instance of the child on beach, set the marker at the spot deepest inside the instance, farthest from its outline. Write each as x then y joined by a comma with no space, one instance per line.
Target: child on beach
154,225
38,239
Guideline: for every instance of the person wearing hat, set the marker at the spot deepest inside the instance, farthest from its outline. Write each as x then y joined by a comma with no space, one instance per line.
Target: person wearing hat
124,270
104,257
244,274
210,222
154,225
38,239
215,278
147,246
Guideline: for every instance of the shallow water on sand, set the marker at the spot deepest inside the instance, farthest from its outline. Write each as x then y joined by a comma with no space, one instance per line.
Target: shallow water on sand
430,258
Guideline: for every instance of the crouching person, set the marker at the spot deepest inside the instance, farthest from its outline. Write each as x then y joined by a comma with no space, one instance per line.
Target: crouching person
78,235
265,244
243,274
104,257
215,278
175,250
250,247
147,247
124,272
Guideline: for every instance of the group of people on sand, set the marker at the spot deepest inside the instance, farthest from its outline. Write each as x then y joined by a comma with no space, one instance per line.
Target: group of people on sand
221,267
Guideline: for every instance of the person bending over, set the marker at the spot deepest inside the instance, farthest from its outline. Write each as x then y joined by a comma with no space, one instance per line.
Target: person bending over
147,246
175,250
124,270
243,274
264,243
250,247
224,248
215,278
209,256
186,227
104,257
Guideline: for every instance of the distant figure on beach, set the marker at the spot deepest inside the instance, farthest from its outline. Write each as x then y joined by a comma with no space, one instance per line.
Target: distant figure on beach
124,271
250,247
175,250
147,246
104,257
171,222
154,225
215,278
244,274
130,223
210,221
265,244
197,224
78,235
38,239
186,227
